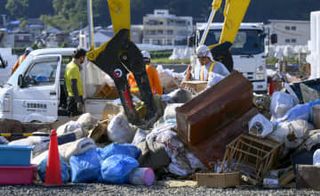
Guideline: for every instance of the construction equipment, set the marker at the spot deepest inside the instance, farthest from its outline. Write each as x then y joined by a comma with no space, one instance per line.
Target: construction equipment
239,46
234,12
118,57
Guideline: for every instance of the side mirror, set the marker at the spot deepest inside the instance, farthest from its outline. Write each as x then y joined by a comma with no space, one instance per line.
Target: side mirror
20,81
274,38
191,40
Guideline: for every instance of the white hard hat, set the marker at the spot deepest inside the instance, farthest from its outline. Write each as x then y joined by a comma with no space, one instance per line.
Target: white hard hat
145,54
203,51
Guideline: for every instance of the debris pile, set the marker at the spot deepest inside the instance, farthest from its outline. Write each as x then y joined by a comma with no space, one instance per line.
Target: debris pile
222,135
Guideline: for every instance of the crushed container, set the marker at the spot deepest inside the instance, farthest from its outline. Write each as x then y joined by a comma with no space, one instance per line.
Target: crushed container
17,174
14,155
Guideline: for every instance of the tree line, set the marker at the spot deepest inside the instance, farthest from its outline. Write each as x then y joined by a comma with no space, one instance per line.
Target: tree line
72,14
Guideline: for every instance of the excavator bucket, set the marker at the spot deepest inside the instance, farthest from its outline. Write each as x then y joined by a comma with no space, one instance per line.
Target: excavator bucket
234,13
120,14
116,58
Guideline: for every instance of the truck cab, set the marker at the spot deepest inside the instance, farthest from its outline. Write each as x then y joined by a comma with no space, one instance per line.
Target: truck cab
36,91
248,51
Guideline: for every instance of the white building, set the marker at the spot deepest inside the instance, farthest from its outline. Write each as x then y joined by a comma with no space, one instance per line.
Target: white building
162,28
290,32
136,33
314,45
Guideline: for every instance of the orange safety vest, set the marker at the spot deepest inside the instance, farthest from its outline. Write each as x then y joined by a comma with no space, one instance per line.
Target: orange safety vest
154,81
210,70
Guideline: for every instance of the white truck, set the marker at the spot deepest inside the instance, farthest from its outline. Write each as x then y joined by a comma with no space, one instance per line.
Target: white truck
248,51
36,91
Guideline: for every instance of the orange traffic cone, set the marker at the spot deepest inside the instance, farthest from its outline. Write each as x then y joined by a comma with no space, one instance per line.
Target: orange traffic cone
53,172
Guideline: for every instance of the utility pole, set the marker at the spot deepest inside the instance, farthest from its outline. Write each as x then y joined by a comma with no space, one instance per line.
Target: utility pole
90,24
4,20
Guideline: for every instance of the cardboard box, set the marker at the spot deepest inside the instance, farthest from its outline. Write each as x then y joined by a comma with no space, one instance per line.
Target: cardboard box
218,180
308,176
194,86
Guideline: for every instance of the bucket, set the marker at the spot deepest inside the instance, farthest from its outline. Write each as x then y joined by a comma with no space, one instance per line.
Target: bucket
142,176
316,116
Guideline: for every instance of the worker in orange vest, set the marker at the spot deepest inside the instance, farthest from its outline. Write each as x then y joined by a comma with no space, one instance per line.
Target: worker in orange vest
153,77
21,59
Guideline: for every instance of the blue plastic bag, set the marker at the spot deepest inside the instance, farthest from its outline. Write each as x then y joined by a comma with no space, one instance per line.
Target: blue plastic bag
65,174
116,168
300,111
113,149
85,167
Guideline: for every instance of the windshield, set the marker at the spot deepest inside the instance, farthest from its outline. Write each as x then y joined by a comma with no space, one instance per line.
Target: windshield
246,42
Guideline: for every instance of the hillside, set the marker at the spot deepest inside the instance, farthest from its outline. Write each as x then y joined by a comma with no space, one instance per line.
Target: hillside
72,14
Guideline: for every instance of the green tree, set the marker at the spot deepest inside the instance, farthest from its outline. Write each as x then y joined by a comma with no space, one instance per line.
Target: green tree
68,14
17,8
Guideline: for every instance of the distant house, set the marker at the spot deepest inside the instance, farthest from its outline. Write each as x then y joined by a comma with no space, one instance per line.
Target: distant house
34,26
57,40
6,39
162,28
52,30
23,39
136,33
101,37
290,32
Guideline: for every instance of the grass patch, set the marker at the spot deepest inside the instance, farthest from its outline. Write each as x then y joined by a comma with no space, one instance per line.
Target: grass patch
168,61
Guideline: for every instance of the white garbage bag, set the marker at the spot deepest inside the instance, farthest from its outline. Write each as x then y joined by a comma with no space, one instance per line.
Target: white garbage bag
280,103
139,137
68,127
260,126
170,112
119,129
292,133
87,122
316,158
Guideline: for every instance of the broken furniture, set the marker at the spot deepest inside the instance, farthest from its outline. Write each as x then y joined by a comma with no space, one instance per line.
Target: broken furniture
211,120
214,108
252,155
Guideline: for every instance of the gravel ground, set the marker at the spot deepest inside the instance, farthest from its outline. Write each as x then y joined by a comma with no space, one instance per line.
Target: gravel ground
103,189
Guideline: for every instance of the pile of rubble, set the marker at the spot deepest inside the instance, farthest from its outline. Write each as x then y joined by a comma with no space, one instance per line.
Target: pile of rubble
223,136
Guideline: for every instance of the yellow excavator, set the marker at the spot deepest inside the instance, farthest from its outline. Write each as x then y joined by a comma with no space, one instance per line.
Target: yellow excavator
233,12
120,55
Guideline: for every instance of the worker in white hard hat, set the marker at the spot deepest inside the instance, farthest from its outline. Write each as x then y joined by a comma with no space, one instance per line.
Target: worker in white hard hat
152,73
208,64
